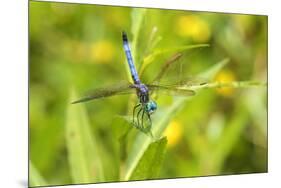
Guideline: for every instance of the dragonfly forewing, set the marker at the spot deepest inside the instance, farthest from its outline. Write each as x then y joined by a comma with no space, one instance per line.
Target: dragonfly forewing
119,89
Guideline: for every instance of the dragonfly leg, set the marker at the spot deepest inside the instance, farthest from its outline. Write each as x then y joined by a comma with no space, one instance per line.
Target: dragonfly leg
138,125
149,118
148,129
135,108
142,119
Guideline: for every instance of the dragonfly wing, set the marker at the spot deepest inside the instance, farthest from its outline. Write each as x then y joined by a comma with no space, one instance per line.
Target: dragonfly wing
171,90
166,66
107,92
191,81
184,82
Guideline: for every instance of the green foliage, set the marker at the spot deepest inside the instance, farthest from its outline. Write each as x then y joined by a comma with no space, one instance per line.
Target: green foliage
217,131
83,151
230,136
142,141
151,161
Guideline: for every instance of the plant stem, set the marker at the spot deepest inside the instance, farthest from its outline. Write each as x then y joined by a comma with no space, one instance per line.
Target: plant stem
235,84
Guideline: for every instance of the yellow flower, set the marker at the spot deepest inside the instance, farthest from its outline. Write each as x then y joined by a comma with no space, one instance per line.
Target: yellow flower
194,27
102,52
173,133
225,76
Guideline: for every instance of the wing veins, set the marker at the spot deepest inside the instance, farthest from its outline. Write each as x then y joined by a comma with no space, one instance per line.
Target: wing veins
171,90
106,92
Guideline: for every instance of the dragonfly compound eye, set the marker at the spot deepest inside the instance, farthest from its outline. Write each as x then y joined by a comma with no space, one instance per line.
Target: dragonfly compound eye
151,106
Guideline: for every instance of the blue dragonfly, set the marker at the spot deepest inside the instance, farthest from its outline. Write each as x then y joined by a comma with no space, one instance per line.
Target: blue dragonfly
146,106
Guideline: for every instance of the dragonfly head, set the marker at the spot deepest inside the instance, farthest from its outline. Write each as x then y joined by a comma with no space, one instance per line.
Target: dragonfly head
150,107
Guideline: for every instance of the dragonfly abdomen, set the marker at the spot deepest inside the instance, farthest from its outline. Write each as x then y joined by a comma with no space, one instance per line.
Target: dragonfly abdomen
132,67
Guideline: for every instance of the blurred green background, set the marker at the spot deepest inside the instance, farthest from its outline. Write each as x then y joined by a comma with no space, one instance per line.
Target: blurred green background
79,47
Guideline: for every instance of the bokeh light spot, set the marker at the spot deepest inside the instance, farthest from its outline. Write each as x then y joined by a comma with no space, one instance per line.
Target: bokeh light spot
173,133
102,52
225,76
194,27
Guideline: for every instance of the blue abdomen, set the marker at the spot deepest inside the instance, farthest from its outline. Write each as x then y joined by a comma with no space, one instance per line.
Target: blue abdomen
130,59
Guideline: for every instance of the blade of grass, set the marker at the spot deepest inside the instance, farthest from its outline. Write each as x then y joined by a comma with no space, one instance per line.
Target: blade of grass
84,155
163,116
153,40
230,136
137,16
35,178
210,73
151,161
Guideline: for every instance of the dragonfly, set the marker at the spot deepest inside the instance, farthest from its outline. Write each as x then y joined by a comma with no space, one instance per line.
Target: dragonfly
146,106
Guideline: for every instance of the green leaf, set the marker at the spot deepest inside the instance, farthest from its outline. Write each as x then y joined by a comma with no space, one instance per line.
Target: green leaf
35,178
161,119
151,161
150,58
142,140
83,152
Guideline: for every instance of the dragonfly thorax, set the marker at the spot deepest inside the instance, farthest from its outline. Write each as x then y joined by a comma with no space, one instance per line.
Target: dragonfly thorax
143,93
